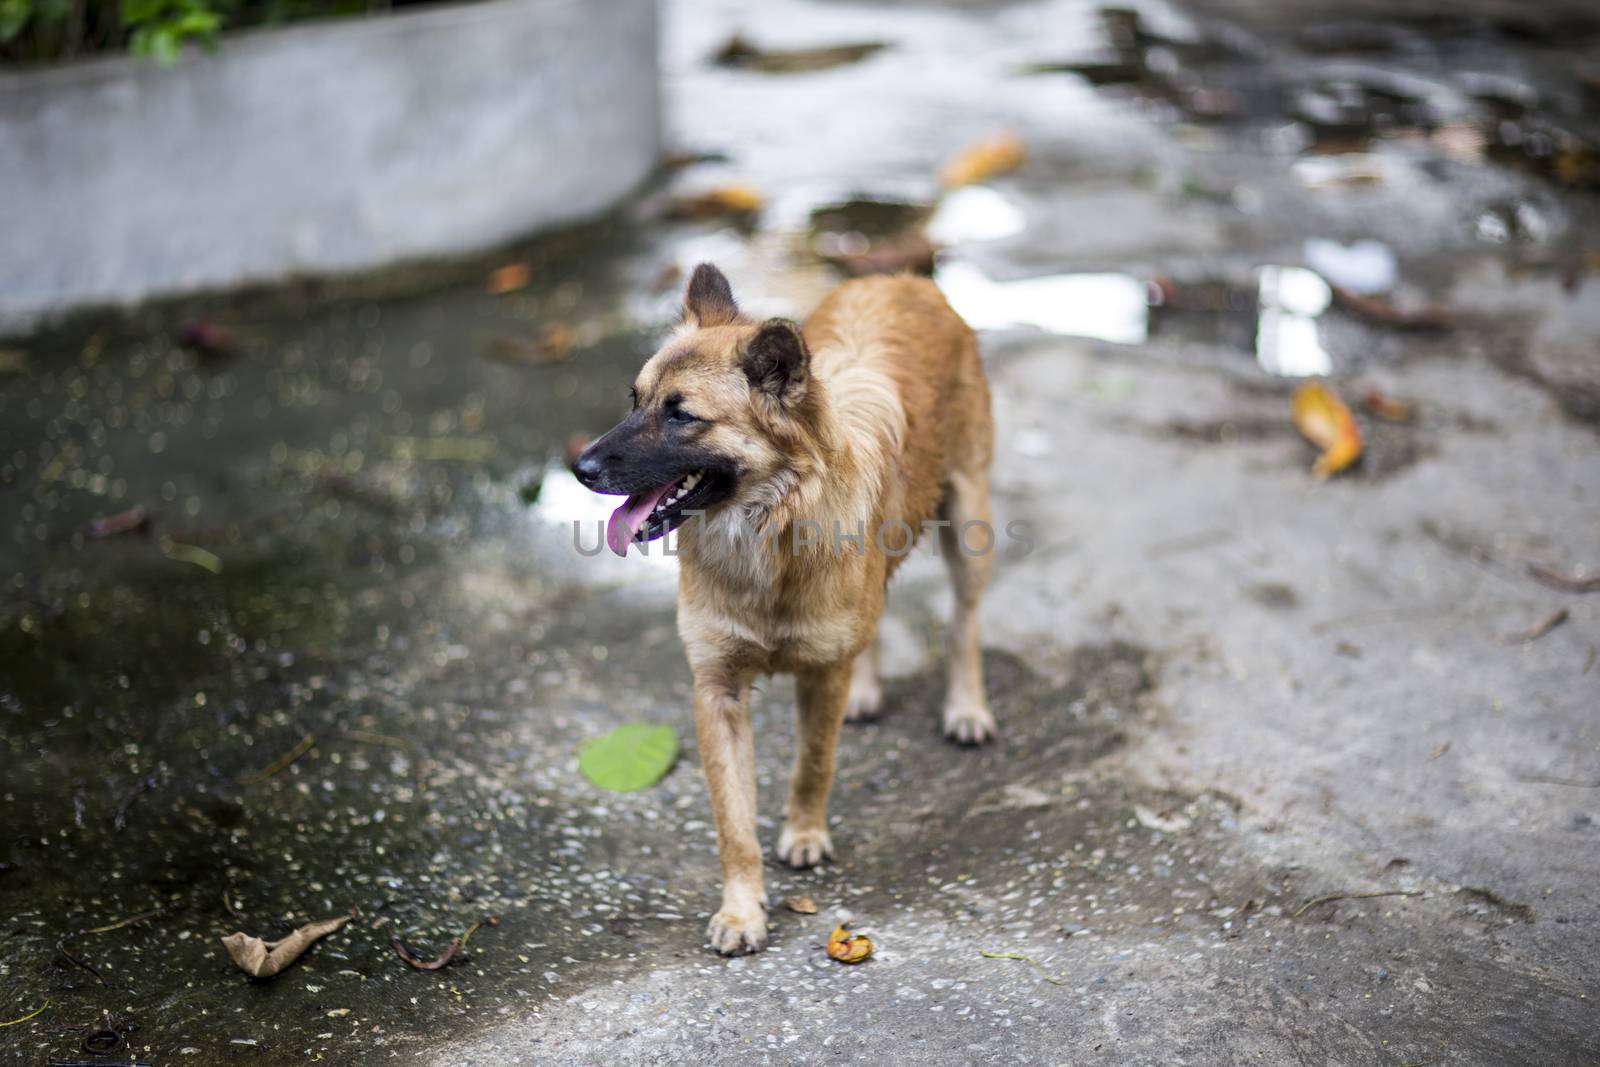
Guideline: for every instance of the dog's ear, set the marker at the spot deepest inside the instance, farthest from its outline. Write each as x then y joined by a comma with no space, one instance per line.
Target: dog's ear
776,360
709,300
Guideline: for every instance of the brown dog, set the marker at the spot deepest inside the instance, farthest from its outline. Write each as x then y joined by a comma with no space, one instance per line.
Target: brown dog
810,459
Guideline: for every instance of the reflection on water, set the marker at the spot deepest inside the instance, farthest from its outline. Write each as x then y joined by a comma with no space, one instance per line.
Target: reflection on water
1108,307
1368,267
1277,319
1289,301
974,213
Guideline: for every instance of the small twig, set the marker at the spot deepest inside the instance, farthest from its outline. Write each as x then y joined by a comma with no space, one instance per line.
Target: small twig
493,920
31,1015
306,744
61,947
1308,905
448,954
1538,629
120,923
426,965
1025,959
1547,779
1556,580
205,559
227,905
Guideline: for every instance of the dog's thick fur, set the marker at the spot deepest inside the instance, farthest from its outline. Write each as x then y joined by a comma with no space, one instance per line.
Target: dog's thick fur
873,417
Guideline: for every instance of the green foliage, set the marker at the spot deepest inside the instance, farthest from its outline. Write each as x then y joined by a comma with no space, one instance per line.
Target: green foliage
14,14
34,31
58,29
161,27
629,758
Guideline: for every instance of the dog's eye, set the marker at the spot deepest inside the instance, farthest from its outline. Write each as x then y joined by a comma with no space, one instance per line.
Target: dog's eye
672,411
633,397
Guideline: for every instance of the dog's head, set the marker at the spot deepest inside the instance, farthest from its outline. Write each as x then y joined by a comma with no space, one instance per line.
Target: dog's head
716,414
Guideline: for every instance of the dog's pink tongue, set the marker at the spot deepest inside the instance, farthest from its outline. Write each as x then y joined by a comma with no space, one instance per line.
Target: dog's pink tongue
629,519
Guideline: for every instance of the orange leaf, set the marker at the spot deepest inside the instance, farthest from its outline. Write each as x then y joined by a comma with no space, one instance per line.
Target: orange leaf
730,200
847,947
508,279
999,154
1328,424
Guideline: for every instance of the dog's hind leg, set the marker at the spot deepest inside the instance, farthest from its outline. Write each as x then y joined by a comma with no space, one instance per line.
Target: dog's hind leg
967,545
822,692
727,756
866,691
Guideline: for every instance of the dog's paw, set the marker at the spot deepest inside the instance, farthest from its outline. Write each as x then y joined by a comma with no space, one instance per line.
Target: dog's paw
865,700
968,723
738,933
804,848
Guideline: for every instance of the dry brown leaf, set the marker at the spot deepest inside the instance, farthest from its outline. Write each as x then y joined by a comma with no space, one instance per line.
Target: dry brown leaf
847,947
135,518
1387,313
208,337
1556,580
801,905
737,201
1461,141
1387,407
508,279
688,157
550,345
740,53
999,154
1538,629
1328,424
263,959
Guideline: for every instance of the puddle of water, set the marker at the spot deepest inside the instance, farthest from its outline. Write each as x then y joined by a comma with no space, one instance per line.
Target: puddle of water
1365,267
1107,307
1287,342
975,213
1277,320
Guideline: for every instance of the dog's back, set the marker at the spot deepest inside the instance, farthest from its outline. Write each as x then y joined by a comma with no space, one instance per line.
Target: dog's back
903,373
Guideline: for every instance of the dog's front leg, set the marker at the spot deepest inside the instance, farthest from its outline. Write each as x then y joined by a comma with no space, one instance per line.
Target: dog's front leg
822,693
728,758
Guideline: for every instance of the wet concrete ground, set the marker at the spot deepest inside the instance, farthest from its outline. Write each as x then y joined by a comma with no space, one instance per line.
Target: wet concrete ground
1226,691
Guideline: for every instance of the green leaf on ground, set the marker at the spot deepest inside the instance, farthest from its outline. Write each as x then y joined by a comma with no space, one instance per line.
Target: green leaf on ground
629,758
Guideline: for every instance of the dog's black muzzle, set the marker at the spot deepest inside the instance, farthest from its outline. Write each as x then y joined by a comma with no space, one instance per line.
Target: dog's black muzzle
636,457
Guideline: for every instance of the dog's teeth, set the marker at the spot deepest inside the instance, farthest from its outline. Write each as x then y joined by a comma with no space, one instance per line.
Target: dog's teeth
690,482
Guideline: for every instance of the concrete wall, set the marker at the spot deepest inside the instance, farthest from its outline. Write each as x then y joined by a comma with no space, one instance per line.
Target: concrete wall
319,148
